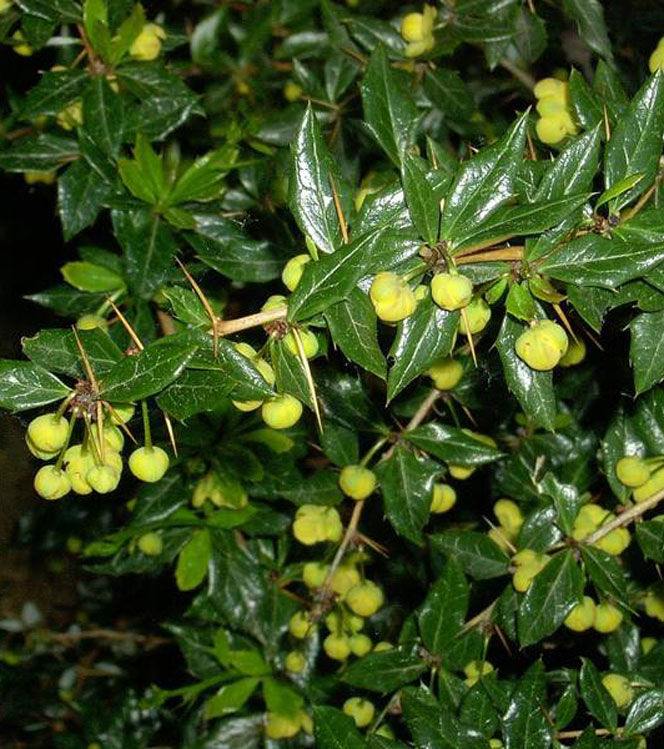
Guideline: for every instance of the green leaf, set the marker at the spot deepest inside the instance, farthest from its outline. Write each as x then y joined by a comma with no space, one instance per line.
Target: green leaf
202,181
585,102
230,698
193,561
352,325
54,92
636,142
149,249
565,498
483,184
311,195
650,536
331,279
479,556
553,593
86,276
519,220
421,339
422,203
389,110
441,616
52,10
448,92
407,486
103,115
289,372
150,371
186,305
335,730
606,573
646,350
81,193
56,350
452,445
618,189
646,712
221,244
620,439
533,390
281,699
589,17
40,154
384,672
599,702
520,303
24,386
525,724
194,392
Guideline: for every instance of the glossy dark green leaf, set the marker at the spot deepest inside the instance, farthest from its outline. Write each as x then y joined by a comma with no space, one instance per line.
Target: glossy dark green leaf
280,698
40,154
420,197
441,616
573,170
645,713
195,391
479,556
531,35
520,303
448,92
56,350
311,194
585,102
352,325
390,112
565,498
384,672
452,445
230,698
149,248
646,350
407,485
599,702
519,220
539,531
52,10
24,386
606,573
650,536
533,390
592,260
103,115
221,244
483,184
636,142
150,371
620,439
427,335
525,724
433,726
335,730
567,707
648,421
290,374
54,92
589,17
186,305
553,593
81,193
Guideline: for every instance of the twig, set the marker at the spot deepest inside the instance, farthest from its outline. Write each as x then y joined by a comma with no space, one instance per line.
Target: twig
508,253
227,327
576,734
625,518
481,618
521,75
71,638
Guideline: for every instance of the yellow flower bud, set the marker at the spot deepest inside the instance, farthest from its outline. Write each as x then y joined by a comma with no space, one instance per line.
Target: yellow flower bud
632,470
365,598
48,432
292,272
281,412
619,688
360,710
337,647
292,92
360,645
295,662
345,577
300,625
357,481
542,346
309,343
392,298
576,353
550,87
552,129
582,616
149,464
151,544
147,44
446,373
607,618
478,314
443,499
22,48
103,479
475,670
281,726
451,291
51,482
314,574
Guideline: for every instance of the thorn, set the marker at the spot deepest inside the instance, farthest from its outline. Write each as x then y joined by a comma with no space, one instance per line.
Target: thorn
464,315
379,548
86,361
607,124
100,432
471,418
340,214
503,537
206,305
120,423
307,373
565,321
171,433
132,333
501,637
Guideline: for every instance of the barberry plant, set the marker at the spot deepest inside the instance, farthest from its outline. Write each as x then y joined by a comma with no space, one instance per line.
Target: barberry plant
368,298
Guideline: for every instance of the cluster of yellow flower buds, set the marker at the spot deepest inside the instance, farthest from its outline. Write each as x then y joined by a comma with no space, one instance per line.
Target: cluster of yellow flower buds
147,45
591,517
555,121
644,476
527,565
510,520
278,726
90,466
417,30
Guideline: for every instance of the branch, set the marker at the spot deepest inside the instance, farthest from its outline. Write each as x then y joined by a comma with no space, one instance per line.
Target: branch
226,327
521,75
625,518
71,638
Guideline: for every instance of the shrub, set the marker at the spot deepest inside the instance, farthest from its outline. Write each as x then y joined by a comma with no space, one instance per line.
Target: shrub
284,214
